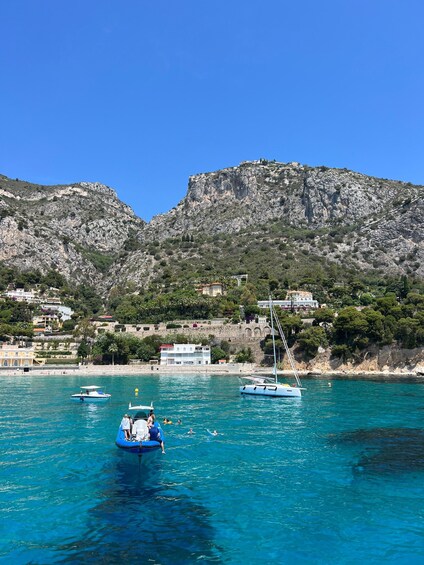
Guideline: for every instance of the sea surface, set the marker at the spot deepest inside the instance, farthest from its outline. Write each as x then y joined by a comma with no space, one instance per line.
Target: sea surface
334,477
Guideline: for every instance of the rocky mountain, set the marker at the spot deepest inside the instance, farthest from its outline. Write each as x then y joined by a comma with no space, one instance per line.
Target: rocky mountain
78,229
259,192
288,219
330,216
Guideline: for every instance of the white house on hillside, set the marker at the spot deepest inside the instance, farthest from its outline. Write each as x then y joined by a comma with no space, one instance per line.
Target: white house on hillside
185,354
296,299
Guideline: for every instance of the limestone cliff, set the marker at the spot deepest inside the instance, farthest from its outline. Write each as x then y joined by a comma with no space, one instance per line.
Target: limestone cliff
78,229
350,219
291,212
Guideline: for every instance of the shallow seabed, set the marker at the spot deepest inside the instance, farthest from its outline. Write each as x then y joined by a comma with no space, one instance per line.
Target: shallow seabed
335,477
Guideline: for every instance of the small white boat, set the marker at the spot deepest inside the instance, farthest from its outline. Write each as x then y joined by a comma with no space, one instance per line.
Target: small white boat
269,386
91,394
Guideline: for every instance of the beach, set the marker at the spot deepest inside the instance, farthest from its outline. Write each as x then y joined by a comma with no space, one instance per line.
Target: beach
222,369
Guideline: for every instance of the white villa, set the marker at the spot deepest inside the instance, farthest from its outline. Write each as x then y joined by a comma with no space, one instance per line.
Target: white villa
22,295
296,299
185,354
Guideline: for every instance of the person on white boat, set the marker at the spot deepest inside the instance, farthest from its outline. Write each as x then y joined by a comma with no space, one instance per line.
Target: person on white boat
126,426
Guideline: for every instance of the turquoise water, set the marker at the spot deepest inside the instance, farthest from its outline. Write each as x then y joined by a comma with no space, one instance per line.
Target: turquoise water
336,477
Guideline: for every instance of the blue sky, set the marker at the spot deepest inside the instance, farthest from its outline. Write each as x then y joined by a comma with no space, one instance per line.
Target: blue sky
141,94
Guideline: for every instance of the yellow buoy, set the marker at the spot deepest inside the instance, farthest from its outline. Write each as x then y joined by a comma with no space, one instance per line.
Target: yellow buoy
136,391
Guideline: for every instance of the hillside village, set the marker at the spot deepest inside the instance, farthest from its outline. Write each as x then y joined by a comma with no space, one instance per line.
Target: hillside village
84,280
56,336
51,342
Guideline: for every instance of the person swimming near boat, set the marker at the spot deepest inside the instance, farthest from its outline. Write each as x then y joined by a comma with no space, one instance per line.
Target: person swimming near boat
126,426
166,421
214,433
179,422
190,431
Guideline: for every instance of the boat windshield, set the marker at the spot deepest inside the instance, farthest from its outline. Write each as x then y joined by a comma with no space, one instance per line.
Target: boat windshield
140,415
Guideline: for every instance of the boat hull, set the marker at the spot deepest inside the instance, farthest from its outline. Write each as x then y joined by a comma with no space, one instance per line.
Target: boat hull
276,390
90,398
137,446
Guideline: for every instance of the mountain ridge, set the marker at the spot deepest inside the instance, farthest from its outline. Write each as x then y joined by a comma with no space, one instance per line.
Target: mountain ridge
335,215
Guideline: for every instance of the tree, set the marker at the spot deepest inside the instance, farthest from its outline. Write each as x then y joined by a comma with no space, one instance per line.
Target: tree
83,350
311,339
245,355
350,330
68,325
113,349
341,351
386,303
217,353
375,331
251,310
146,351
85,329
406,332
324,317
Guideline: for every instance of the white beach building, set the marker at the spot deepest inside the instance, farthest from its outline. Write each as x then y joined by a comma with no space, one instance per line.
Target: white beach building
185,354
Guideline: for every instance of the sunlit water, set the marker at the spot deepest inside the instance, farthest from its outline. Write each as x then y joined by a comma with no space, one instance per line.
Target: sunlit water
335,477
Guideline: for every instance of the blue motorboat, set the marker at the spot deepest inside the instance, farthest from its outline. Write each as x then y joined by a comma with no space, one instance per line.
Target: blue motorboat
143,438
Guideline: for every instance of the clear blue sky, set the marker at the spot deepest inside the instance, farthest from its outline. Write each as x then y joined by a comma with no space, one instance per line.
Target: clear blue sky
140,94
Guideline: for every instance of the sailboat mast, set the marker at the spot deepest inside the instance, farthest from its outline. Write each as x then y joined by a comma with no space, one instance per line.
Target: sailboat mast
286,347
274,370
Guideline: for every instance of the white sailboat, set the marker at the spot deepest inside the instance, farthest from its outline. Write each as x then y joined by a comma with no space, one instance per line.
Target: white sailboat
269,386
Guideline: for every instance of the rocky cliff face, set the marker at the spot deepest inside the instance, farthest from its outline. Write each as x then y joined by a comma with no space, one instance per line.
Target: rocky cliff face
258,192
352,219
88,234
77,229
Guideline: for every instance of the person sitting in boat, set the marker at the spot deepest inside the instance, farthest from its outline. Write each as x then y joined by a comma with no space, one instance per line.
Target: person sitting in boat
126,426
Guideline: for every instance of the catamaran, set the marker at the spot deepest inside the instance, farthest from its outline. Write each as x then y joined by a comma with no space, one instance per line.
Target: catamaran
269,386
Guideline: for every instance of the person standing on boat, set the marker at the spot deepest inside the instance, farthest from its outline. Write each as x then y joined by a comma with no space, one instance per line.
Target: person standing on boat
151,420
126,426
